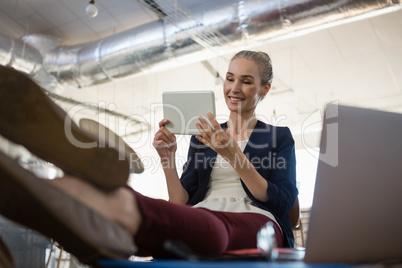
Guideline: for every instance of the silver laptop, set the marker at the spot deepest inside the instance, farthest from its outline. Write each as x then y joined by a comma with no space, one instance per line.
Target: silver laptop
356,214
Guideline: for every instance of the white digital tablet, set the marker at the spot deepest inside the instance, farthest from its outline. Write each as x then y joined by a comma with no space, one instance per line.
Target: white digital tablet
182,109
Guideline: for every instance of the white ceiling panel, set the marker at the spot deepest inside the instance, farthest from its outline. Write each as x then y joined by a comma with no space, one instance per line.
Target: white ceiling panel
77,7
340,83
388,29
356,39
317,47
54,12
394,59
372,75
68,29
130,14
37,20
9,26
16,9
101,23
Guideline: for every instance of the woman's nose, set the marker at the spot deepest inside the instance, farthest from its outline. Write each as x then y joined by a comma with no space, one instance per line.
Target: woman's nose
235,87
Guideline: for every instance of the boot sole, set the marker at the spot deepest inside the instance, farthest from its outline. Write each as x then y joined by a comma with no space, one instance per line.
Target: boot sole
37,204
30,118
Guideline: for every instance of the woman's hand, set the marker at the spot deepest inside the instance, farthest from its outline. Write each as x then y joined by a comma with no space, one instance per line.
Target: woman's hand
165,141
223,143
166,146
216,138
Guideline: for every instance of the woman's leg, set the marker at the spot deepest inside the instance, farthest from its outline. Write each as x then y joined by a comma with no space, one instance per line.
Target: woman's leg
152,222
205,232
83,218
82,229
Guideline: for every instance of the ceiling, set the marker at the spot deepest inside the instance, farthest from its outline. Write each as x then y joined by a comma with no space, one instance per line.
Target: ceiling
357,63
68,21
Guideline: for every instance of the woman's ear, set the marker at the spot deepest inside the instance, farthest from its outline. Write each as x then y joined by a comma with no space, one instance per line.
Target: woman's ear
265,90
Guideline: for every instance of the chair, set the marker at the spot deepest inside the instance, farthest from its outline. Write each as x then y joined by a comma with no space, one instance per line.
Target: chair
297,225
6,258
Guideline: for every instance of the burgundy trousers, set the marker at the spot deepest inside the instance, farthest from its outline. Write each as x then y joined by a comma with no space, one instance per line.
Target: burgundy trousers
205,232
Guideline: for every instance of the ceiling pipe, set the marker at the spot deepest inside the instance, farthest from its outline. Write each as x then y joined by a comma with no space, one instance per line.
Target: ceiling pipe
220,28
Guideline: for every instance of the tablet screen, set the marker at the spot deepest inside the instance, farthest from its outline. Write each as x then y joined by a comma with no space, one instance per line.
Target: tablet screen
182,109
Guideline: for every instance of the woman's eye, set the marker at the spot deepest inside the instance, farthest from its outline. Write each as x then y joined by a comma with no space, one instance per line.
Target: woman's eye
247,82
229,79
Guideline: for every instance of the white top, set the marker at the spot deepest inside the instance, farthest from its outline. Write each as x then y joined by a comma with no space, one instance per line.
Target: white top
225,192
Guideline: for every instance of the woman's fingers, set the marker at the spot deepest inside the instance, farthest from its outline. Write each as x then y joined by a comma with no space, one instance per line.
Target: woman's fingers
202,131
212,133
164,133
164,139
213,121
163,122
206,126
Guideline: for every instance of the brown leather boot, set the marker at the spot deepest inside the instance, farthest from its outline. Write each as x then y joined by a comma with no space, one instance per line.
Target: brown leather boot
30,118
39,205
104,134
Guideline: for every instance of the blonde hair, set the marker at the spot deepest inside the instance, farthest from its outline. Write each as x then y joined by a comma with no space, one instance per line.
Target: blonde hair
263,62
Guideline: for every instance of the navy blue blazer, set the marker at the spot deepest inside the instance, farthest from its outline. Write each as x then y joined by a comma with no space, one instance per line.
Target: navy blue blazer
271,150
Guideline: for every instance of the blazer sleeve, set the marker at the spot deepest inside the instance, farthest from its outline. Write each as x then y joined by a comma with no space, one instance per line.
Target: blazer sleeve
281,175
189,178
196,170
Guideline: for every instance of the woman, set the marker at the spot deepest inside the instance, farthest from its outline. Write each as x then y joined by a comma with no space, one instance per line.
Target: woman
266,187
91,220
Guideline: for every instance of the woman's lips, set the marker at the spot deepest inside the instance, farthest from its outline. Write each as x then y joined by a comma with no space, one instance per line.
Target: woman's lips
235,99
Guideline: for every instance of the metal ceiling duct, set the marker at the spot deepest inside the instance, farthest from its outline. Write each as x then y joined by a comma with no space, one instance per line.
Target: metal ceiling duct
178,37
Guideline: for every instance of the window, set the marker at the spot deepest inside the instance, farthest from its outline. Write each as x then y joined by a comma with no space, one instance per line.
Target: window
306,169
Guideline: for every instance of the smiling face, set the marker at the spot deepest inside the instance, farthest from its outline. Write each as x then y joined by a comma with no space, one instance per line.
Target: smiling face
242,88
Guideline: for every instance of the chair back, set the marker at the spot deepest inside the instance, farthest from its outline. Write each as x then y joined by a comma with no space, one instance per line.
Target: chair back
294,214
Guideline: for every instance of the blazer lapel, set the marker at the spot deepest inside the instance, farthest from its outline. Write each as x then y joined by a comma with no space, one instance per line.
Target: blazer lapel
259,139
